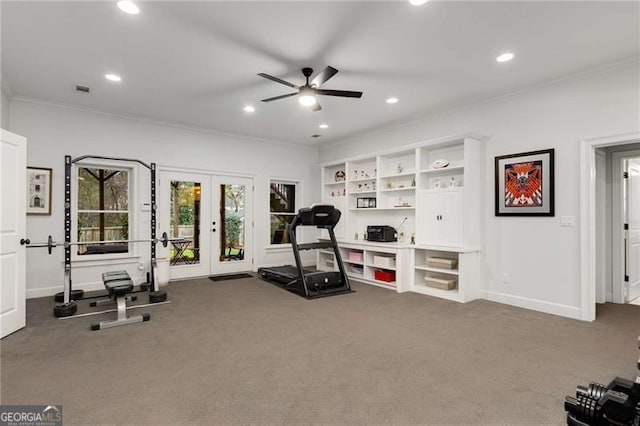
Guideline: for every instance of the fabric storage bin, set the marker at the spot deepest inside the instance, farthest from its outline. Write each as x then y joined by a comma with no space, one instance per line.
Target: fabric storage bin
356,256
384,261
441,262
356,269
386,276
441,283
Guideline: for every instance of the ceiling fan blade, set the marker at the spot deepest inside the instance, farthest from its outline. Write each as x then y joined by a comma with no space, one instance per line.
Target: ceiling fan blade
343,93
275,98
277,80
324,75
316,107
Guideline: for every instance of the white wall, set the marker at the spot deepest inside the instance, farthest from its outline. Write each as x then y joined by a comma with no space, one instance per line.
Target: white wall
53,132
541,257
4,108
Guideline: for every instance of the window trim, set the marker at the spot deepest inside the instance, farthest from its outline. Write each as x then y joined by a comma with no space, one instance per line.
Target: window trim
287,181
132,170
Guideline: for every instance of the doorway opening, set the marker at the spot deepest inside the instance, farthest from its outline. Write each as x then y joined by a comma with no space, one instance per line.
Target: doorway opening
598,265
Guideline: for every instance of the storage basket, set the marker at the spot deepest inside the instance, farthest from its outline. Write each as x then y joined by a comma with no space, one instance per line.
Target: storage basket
441,262
441,283
384,261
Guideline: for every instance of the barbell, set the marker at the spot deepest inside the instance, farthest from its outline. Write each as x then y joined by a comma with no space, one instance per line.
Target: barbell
50,244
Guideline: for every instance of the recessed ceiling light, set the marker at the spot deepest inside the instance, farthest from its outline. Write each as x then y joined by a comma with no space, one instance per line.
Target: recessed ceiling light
392,100
505,57
324,126
112,77
249,108
129,7
418,2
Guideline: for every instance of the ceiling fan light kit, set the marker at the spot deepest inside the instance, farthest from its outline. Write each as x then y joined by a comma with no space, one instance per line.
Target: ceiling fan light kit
307,93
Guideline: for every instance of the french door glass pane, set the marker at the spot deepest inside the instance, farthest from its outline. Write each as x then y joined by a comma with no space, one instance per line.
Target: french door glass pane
232,199
184,222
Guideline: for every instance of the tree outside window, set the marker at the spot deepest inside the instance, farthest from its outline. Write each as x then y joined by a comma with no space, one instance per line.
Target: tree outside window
103,210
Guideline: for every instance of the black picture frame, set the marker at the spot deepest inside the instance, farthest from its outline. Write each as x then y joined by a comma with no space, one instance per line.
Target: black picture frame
39,190
525,184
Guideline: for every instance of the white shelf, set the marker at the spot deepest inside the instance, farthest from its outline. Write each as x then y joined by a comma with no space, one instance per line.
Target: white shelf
455,168
381,208
334,183
409,188
395,175
362,193
438,270
384,284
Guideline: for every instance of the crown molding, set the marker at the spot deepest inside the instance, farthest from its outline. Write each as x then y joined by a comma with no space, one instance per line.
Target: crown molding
78,108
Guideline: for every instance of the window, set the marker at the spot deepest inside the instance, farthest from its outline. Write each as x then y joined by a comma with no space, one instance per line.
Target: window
283,208
103,210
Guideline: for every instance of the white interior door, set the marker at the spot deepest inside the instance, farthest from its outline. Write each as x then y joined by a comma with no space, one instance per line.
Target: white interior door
632,234
231,224
13,225
185,212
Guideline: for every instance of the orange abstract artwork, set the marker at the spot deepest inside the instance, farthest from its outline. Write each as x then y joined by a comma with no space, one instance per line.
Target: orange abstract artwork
523,184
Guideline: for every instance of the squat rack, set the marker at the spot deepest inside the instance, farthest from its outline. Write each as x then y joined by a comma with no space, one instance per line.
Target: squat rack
67,307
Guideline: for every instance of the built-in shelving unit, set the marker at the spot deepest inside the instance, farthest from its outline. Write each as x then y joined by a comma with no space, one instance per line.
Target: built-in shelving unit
430,192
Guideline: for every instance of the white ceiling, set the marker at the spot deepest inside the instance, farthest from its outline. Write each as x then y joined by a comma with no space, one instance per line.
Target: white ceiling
195,63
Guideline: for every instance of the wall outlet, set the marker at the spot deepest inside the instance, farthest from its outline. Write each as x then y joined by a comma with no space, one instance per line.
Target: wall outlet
505,278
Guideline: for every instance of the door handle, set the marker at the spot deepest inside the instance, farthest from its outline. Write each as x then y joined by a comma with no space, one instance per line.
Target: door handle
213,230
25,241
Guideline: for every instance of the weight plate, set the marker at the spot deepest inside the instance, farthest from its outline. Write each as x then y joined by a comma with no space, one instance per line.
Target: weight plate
63,310
75,295
157,296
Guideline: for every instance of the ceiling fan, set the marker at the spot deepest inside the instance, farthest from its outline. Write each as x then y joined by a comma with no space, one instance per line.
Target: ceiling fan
309,90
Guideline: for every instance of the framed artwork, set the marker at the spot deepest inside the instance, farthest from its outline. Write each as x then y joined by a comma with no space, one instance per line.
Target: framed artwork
38,190
525,184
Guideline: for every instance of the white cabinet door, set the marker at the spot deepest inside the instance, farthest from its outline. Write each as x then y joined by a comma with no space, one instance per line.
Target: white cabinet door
429,220
442,220
13,224
452,218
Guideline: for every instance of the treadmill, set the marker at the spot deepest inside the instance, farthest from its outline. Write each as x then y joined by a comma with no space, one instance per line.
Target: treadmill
311,283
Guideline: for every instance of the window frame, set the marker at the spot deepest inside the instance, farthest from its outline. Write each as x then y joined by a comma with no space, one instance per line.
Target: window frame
296,207
133,181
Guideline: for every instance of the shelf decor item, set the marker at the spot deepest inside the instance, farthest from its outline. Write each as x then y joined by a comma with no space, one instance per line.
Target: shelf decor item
38,190
439,164
340,176
524,184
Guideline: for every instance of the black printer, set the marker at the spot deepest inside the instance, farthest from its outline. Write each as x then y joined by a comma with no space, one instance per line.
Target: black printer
381,233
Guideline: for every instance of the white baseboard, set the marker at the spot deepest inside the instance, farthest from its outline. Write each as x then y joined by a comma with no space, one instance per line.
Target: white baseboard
533,304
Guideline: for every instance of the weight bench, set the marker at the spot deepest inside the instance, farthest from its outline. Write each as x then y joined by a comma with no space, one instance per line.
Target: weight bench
118,285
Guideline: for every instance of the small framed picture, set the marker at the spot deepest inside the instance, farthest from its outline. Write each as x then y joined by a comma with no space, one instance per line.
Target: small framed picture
362,203
525,184
38,190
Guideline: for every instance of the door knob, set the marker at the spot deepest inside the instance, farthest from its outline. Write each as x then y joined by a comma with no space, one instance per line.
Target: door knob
23,241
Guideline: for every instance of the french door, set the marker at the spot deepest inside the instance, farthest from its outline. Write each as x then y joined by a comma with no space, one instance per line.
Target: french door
210,217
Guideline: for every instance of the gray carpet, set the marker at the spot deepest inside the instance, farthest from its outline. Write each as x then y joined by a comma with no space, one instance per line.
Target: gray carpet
244,351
